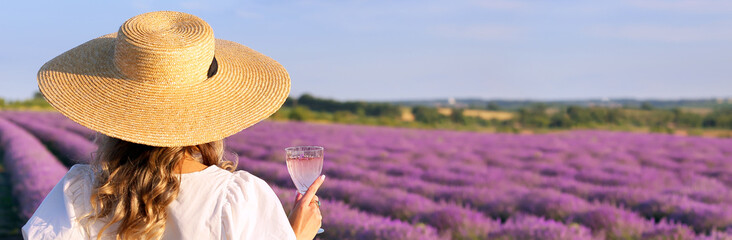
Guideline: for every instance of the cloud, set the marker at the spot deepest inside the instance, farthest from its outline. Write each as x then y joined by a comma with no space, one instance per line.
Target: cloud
477,32
665,33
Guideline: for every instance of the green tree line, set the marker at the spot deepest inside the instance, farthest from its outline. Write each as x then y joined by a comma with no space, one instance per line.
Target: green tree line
539,116
536,116
359,108
36,102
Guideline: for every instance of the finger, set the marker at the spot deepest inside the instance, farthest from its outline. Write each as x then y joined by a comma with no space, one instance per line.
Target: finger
298,197
315,202
315,198
313,188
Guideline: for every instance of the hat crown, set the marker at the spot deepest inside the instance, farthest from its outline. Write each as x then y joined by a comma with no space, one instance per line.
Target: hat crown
164,47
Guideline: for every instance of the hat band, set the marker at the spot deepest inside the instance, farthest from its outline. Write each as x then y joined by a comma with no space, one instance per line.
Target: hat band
213,68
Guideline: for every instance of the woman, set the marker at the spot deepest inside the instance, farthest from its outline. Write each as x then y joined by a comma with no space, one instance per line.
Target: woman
163,93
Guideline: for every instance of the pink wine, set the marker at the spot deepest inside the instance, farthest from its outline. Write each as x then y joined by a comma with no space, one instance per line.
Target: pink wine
304,171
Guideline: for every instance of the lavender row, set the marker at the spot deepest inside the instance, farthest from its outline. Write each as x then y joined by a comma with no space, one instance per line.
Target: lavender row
344,222
447,218
608,220
354,224
33,170
56,120
359,225
70,148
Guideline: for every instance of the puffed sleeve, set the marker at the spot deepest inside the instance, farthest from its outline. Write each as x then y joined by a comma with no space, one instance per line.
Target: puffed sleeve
252,210
56,217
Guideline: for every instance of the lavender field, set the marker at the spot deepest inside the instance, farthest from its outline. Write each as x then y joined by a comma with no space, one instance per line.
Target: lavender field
388,183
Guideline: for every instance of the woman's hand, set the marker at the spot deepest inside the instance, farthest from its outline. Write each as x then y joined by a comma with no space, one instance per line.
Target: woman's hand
305,216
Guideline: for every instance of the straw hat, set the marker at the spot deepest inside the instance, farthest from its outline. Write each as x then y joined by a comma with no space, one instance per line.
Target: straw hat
163,80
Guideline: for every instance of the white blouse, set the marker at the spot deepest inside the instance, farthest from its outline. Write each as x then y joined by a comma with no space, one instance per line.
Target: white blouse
212,204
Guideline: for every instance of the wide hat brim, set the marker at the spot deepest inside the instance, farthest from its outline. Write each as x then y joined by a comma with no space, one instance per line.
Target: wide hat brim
84,84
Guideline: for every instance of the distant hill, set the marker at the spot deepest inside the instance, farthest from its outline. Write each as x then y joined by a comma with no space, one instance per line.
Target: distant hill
515,104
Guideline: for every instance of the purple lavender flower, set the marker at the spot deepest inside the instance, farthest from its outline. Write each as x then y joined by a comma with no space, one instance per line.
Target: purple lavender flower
33,170
390,183
535,228
68,147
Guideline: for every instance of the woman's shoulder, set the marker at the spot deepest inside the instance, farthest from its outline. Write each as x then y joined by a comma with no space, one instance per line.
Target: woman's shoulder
63,206
252,210
79,176
236,186
77,186
224,176
79,171
244,182
247,177
78,180
245,190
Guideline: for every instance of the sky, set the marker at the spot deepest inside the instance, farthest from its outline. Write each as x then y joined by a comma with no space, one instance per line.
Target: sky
424,49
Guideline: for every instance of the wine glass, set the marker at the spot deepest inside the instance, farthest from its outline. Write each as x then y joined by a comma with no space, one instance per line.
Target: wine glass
304,163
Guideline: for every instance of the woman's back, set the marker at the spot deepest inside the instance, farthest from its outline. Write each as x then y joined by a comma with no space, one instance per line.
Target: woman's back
211,204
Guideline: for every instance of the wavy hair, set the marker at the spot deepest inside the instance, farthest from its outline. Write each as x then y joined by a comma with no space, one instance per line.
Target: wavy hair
134,183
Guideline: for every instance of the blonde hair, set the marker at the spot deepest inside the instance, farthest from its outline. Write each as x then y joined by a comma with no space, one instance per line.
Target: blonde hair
134,183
